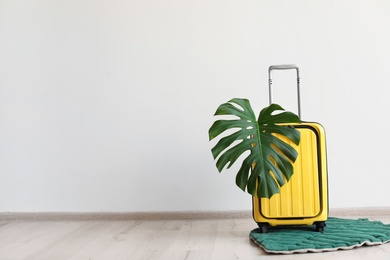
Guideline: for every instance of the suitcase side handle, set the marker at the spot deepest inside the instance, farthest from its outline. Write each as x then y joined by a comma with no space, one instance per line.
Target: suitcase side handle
285,67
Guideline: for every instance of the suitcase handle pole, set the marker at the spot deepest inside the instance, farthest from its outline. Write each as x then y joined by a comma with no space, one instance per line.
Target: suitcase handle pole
285,67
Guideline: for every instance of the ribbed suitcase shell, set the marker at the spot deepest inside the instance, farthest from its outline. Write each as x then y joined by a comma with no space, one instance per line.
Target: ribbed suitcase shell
304,199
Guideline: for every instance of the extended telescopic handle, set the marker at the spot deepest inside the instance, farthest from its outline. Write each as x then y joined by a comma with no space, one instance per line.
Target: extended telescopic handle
285,67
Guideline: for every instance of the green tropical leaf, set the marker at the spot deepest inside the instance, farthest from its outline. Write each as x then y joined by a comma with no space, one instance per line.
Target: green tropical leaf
269,164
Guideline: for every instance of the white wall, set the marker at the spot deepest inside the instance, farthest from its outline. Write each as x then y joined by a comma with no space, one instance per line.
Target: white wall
105,105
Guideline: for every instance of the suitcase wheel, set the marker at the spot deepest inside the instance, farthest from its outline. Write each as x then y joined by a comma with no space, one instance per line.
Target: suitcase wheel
320,226
262,228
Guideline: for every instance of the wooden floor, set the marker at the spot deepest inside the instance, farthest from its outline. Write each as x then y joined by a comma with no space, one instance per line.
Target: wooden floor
151,239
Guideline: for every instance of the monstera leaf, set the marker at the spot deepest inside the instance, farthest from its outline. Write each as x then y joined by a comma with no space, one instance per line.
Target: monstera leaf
269,162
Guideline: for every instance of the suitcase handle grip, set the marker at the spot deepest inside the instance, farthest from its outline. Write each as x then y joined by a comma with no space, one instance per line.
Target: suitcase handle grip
285,67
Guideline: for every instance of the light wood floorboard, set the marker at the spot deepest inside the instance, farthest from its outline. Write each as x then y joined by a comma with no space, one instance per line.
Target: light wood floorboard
152,239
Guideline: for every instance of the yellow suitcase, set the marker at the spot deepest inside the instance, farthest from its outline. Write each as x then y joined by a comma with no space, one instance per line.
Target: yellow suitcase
304,199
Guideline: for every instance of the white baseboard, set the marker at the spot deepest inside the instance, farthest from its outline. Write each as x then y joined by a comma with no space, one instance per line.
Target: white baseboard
360,212
182,215
82,216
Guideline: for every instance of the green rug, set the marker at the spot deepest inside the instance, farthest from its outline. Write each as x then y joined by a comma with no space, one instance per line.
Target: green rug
338,234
